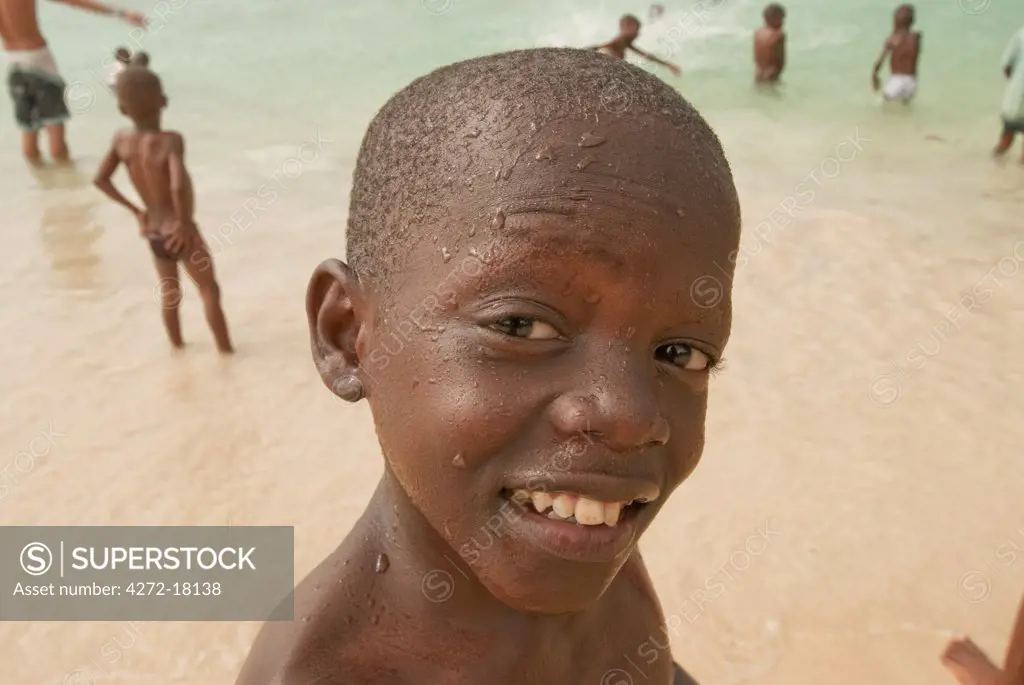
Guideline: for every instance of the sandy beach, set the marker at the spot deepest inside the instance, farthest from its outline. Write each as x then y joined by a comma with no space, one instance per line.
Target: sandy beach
859,500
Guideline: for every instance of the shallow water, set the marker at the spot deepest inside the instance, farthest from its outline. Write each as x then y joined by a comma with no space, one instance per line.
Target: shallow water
860,492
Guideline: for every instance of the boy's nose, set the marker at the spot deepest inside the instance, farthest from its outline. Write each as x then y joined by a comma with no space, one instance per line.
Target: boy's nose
618,408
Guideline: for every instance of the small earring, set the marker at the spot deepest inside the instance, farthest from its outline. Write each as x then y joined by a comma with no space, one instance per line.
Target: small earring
349,388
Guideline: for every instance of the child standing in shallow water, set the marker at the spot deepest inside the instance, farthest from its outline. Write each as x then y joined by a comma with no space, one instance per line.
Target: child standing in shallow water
770,46
156,165
568,368
629,31
1013,99
121,60
903,48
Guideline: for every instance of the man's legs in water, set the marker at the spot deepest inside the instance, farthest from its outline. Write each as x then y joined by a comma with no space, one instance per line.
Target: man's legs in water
58,145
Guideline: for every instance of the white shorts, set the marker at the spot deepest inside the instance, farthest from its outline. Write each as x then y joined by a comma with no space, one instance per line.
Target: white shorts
900,87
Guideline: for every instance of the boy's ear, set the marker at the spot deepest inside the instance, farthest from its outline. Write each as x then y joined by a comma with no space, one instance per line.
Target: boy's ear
336,308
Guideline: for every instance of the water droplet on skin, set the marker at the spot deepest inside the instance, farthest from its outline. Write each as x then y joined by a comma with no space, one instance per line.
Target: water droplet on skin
680,211
374,620
316,589
590,140
446,256
305,619
370,602
508,172
415,382
458,460
346,563
630,332
498,222
382,563
544,154
592,298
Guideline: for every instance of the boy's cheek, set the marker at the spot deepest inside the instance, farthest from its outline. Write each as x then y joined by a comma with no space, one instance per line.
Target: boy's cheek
448,407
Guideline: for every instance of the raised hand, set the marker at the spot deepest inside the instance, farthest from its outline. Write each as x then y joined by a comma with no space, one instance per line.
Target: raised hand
134,18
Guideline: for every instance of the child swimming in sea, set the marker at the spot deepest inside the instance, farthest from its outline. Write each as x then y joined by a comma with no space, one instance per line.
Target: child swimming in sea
904,49
155,160
770,46
971,666
629,31
1013,98
121,60
516,309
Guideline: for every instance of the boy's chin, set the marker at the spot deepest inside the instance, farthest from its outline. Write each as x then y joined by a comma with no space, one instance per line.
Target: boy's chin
552,591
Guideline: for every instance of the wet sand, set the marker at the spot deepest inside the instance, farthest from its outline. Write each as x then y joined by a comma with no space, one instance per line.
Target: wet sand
848,512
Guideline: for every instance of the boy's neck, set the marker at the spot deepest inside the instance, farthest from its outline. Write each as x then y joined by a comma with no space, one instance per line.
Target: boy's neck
148,125
416,553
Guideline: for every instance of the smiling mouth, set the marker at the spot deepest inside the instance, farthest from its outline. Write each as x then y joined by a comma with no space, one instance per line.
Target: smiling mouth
573,508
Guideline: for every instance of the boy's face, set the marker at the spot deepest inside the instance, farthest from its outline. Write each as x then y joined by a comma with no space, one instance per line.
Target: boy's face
903,17
629,28
775,19
555,339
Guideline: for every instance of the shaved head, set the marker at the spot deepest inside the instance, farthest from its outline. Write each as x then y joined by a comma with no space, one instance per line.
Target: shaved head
454,142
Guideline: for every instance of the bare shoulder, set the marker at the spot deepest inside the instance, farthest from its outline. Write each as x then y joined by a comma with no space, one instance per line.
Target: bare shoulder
319,652
123,142
327,643
173,140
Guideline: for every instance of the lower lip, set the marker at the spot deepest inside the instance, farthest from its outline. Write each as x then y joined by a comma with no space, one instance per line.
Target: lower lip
575,542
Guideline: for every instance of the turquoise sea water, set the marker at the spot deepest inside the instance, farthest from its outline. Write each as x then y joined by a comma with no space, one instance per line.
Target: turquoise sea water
253,75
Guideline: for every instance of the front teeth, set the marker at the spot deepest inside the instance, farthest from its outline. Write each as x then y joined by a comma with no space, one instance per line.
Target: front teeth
566,506
542,501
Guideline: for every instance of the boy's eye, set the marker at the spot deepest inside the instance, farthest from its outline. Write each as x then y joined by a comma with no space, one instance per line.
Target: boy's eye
684,356
531,329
